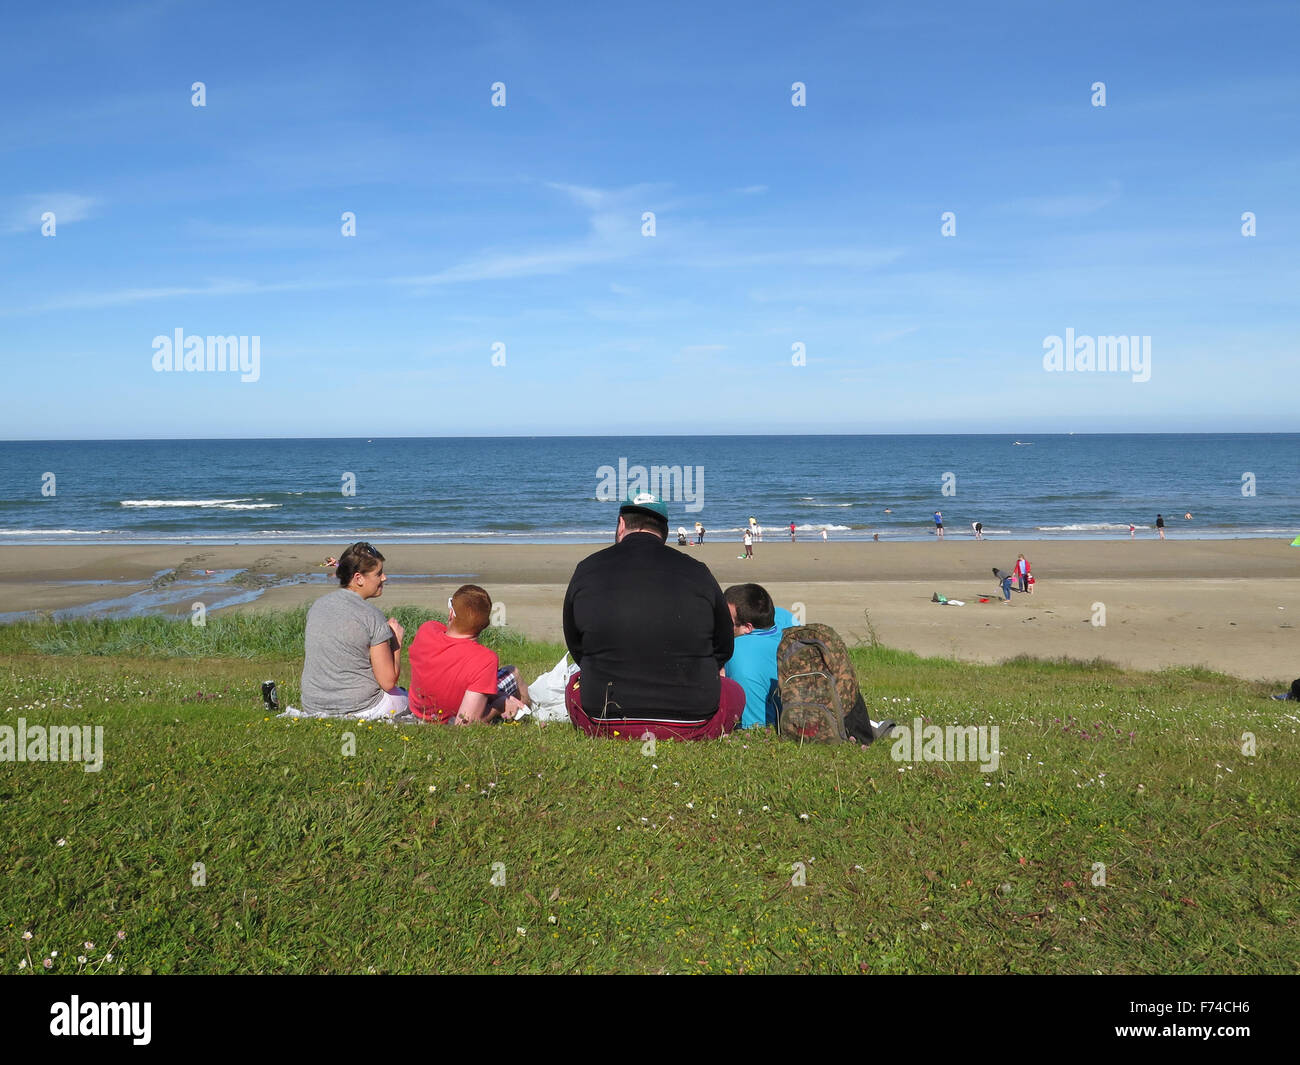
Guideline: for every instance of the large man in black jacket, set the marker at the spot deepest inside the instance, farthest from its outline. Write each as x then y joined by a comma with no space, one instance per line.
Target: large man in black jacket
650,630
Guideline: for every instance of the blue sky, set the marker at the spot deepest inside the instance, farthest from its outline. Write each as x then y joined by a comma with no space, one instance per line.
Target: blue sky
775,225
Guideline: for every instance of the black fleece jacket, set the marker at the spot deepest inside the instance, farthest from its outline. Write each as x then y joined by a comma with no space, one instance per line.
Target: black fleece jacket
649,627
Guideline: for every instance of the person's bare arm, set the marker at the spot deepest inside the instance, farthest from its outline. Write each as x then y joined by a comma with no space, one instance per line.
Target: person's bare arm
473,707
385,662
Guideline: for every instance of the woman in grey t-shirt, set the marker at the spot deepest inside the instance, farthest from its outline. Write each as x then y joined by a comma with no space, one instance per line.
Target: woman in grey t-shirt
353,653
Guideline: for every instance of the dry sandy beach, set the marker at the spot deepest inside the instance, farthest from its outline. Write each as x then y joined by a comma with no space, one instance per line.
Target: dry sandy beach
1230,605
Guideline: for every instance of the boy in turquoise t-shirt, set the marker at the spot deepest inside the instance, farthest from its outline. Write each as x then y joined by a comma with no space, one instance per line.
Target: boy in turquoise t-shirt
758,625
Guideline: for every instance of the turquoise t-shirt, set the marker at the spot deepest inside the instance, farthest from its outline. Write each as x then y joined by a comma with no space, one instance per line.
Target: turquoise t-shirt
753,667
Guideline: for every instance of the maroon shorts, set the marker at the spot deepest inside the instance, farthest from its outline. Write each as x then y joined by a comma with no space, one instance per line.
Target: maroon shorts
731,705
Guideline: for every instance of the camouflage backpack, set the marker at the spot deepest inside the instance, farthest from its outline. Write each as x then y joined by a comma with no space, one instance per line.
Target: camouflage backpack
820,700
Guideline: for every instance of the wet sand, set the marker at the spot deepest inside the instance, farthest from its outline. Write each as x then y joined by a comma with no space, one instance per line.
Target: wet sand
1229,605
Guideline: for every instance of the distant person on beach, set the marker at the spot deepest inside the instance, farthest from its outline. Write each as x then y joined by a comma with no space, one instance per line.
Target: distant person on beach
792,532
978,526
748,539
353,653
938,524
700,530
1005,579
1132,531
650,631
758,530
454,678
682,540
1160,525
824,537
1022,573
757,624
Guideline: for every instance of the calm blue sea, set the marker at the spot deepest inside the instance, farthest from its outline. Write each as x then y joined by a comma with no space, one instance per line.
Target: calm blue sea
547,489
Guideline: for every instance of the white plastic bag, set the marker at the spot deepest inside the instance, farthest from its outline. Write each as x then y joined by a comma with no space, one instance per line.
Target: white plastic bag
547,691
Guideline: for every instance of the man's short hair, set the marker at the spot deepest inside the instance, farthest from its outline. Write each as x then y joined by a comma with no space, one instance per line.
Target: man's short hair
473,608
753,605
644,521
359,558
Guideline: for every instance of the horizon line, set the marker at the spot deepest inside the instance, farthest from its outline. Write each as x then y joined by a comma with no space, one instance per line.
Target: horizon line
607,436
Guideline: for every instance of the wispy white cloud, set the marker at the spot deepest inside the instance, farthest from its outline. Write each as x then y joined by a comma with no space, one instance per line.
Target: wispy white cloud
841,258
752,190
1068,205
613,233
81,301
24,212
890,335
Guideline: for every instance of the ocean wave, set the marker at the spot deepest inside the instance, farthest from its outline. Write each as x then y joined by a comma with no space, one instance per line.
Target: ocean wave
58,532
152,503
1294,530
1096,526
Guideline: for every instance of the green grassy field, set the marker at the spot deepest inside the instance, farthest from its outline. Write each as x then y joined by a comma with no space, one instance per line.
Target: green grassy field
218,840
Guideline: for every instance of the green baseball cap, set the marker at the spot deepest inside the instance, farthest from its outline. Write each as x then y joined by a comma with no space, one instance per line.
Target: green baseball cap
646,502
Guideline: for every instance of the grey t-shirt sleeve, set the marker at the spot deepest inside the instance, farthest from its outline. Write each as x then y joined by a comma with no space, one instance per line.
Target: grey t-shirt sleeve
378,625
